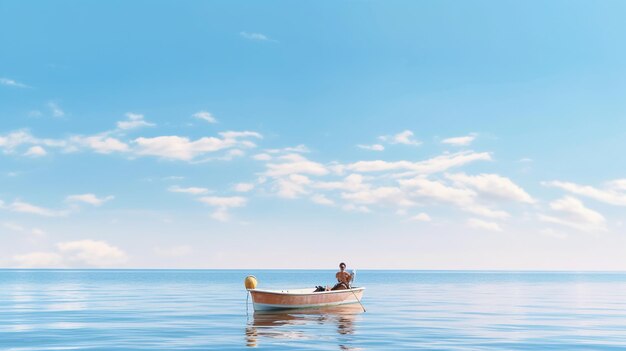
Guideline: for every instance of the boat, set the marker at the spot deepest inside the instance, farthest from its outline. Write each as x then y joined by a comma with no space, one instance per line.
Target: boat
268,300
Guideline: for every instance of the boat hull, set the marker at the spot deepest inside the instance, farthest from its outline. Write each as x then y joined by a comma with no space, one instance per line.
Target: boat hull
268,300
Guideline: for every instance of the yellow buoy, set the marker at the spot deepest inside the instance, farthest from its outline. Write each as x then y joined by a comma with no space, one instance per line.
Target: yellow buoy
250,282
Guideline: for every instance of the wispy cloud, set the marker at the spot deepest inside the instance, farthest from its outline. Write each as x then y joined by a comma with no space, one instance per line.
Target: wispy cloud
571,212
89,198
222,205
256,36
100,143
182,148
322,200
171,147
25,207
205,116
91,252
460,141
613,193
244,187
493,185
294,164
12,83
421,217
79,253
21,229
405,137
432,165
189,190
35,151
134,120
39,260
55,109
373,147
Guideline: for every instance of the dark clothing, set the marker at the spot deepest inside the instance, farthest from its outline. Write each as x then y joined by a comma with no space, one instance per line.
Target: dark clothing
340,286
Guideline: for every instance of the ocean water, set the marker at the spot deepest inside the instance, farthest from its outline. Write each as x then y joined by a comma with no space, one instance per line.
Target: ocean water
406,310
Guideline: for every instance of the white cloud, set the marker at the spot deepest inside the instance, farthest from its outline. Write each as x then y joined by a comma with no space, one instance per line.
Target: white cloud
617,184
101,143
373,147
39,260
89,199
322,200
244,134
486,212
56,109
572,213
301,148
438,191
134,120
74,253
92,253
355,208
485,225
404,137
385,194
463,198
189,190
421,217
222,205
20,229
433,165
612,194
255,36
494,185
295,163
244,187
262,157
181,148
460,141
231,154
35,151
221,214
205,116
353,182
168,147
224,202
24,207
12,83
11,141
291,186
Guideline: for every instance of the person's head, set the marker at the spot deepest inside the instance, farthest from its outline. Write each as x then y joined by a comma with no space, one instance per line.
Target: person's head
342,266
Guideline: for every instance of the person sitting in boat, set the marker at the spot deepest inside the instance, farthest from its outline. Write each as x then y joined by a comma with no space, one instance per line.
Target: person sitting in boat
344,279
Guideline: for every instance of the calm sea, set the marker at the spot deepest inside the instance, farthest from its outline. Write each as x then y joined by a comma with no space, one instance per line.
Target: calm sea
406,310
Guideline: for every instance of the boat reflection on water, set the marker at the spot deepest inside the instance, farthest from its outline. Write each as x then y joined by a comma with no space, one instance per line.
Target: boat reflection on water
292,324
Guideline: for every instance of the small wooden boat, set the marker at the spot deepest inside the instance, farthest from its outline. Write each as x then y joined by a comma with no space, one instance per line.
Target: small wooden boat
266,300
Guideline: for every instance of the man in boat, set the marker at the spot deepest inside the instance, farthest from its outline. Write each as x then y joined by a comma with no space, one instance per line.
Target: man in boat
343,278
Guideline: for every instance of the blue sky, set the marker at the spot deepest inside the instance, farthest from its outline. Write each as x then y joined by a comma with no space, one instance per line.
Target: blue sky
411,135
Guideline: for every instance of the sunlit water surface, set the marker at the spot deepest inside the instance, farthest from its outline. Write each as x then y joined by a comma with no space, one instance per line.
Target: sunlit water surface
206,310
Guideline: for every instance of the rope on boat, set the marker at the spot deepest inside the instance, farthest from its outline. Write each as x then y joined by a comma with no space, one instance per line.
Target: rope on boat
358,300
353,279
